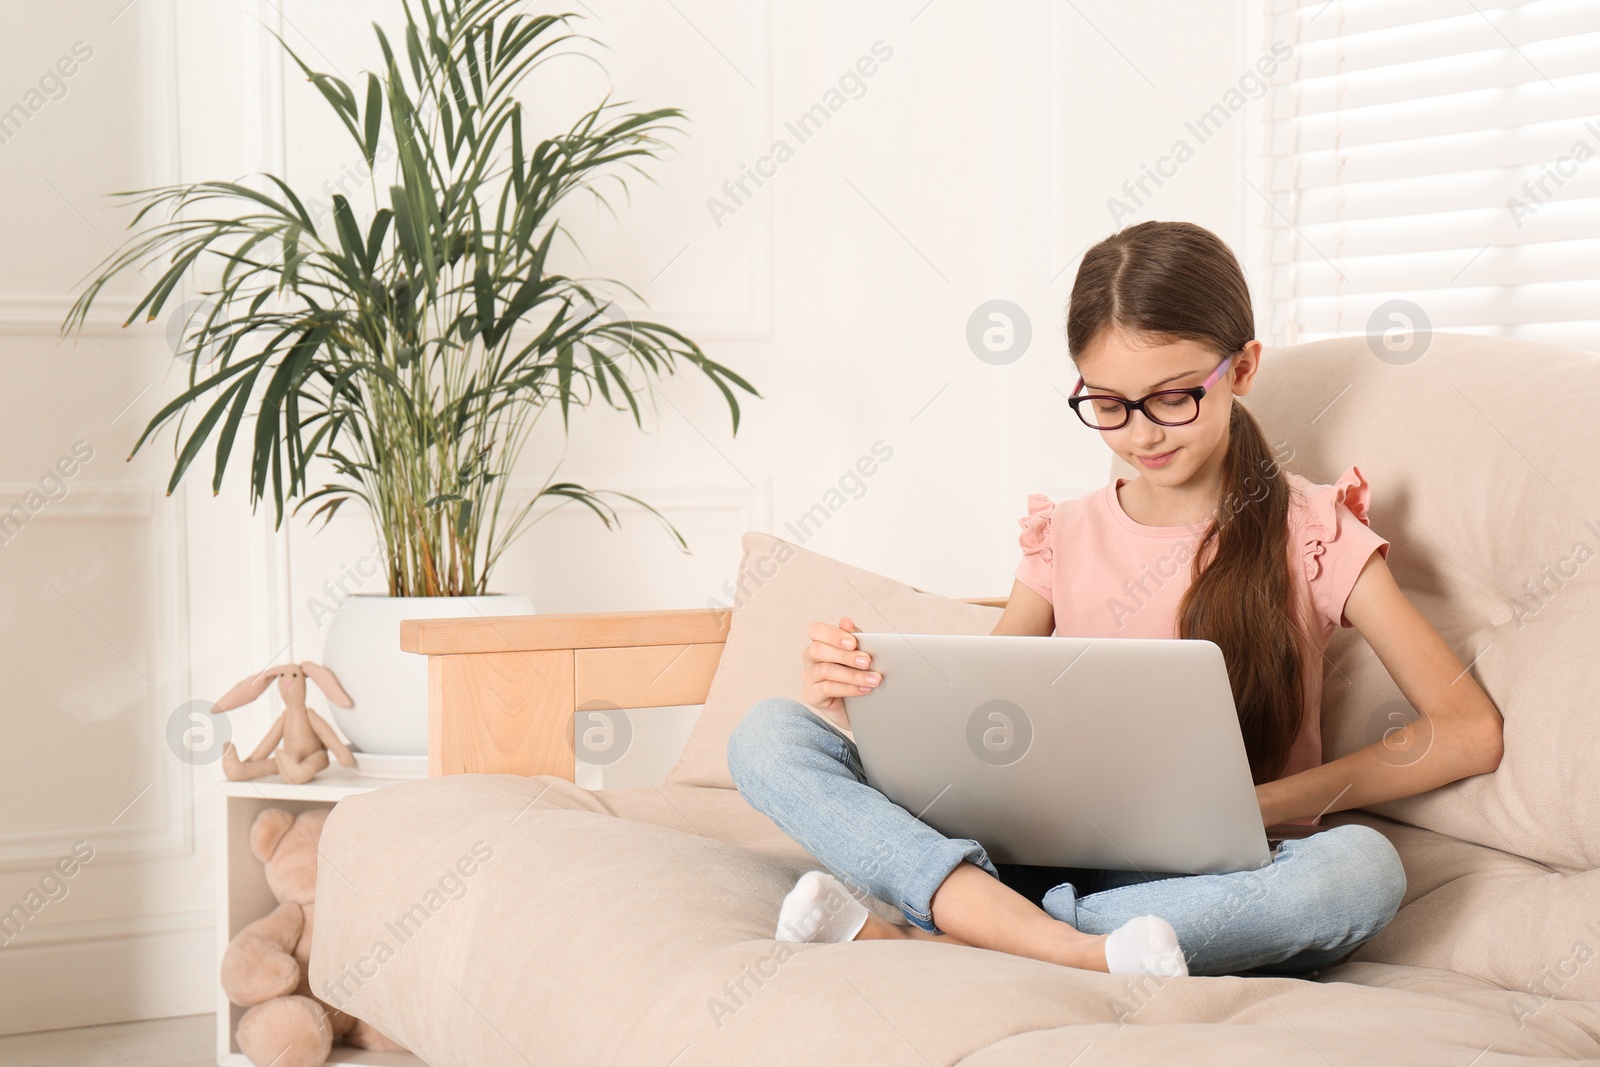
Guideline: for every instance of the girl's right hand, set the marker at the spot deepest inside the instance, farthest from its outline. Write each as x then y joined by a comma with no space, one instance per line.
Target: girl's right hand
833,667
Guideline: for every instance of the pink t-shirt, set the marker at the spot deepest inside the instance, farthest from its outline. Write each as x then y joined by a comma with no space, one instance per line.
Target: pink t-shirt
1079,554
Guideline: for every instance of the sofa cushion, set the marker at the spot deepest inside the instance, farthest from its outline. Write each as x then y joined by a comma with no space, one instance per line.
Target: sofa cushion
581,937
791,587
1486,481
1490,915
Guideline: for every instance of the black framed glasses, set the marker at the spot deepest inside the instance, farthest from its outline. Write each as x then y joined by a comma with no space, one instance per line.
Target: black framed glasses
1166,407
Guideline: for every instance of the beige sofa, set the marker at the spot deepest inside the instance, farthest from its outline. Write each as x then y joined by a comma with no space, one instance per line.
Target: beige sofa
506,916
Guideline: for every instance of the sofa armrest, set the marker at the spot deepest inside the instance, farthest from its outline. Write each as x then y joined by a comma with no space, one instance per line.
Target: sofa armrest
502,690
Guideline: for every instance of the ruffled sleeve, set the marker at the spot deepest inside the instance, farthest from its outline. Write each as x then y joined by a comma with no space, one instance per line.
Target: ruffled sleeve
1038,554
1336,539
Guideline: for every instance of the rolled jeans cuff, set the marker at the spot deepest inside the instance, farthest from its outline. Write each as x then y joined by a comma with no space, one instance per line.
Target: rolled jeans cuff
929,872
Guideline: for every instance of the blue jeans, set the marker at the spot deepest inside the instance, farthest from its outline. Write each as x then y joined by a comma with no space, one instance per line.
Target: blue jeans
1320,898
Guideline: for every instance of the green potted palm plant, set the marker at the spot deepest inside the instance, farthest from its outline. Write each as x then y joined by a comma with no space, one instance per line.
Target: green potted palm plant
400,350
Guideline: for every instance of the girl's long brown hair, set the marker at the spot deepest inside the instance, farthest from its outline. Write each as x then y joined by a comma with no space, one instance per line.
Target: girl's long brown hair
1162,282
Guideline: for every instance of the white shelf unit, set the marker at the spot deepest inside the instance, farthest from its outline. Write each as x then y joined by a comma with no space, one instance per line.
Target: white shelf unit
243,895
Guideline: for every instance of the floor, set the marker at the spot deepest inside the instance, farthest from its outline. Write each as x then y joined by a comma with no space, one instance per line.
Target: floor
186,1041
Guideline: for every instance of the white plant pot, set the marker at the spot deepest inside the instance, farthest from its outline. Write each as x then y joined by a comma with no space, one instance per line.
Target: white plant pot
390,687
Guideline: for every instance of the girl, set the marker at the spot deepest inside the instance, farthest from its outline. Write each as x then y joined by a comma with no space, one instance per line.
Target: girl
1160,330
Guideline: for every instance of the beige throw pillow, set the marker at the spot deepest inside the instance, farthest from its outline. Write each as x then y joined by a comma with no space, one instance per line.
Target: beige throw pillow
1486,481
788,587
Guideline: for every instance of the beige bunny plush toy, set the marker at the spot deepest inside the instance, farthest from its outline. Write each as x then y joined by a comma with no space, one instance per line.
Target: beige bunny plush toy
306,736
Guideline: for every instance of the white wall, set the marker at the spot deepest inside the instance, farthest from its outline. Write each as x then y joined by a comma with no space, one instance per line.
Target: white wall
976,164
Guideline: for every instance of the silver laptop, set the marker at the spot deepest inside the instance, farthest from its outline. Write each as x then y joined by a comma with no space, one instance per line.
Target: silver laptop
1116,753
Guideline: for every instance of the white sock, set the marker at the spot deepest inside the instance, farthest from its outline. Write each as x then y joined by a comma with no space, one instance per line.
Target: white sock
1146,944
820,908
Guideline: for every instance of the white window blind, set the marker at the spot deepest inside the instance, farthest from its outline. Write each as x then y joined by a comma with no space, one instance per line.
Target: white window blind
1443,152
